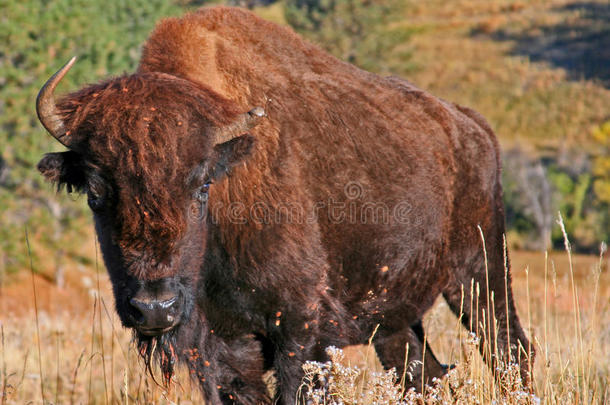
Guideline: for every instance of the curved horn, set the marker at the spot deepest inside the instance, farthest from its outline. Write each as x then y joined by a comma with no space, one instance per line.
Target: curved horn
45,105
243,123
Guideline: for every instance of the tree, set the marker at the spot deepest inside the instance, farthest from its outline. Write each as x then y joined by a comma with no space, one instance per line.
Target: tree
369,34
601,173
527,197
601,163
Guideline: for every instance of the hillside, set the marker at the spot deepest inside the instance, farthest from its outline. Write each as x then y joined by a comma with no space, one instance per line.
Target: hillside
531,67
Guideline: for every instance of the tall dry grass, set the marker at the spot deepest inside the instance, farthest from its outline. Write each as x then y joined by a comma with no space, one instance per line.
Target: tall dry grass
74,352
62,355
567,312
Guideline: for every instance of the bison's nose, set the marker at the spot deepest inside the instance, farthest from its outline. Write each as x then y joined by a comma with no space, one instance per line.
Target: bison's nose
154,317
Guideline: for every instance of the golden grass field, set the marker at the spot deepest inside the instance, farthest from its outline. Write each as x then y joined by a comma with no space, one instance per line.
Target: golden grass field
72,350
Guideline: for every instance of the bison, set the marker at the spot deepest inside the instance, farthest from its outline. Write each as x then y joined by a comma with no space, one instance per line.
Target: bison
257,200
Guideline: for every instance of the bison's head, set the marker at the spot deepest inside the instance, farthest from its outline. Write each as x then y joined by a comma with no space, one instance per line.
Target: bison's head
145,148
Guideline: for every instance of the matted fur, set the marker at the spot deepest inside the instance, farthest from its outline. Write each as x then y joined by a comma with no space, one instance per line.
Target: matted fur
136,125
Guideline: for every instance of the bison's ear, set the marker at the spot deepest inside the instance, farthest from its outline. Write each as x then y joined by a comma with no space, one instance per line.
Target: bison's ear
232,143
230,154
240,126
64,169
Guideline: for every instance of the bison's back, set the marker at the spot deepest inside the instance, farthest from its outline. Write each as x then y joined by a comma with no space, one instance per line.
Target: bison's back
431,165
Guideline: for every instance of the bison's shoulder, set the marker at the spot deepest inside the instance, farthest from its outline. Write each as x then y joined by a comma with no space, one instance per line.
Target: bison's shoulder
227,49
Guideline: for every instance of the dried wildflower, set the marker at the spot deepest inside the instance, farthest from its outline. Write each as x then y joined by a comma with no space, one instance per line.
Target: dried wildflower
332,383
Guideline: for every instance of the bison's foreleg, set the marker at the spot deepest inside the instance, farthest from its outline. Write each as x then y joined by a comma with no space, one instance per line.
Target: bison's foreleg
241,372
229,372
295,341
240,369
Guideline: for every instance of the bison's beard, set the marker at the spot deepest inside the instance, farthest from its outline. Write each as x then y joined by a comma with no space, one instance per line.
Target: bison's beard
161,349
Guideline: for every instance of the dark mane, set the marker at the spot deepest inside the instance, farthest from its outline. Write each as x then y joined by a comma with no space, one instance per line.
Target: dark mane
130,128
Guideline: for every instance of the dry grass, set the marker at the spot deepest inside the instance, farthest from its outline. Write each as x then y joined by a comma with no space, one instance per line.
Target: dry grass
84,360
86,357
66,346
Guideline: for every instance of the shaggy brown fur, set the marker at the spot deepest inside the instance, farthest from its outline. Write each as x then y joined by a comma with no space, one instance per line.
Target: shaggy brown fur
355,203
143,129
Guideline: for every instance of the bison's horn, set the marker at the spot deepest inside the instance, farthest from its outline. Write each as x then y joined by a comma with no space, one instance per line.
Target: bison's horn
242,124
46,108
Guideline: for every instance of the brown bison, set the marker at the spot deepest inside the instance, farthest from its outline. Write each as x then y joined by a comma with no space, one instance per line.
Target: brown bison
257,200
